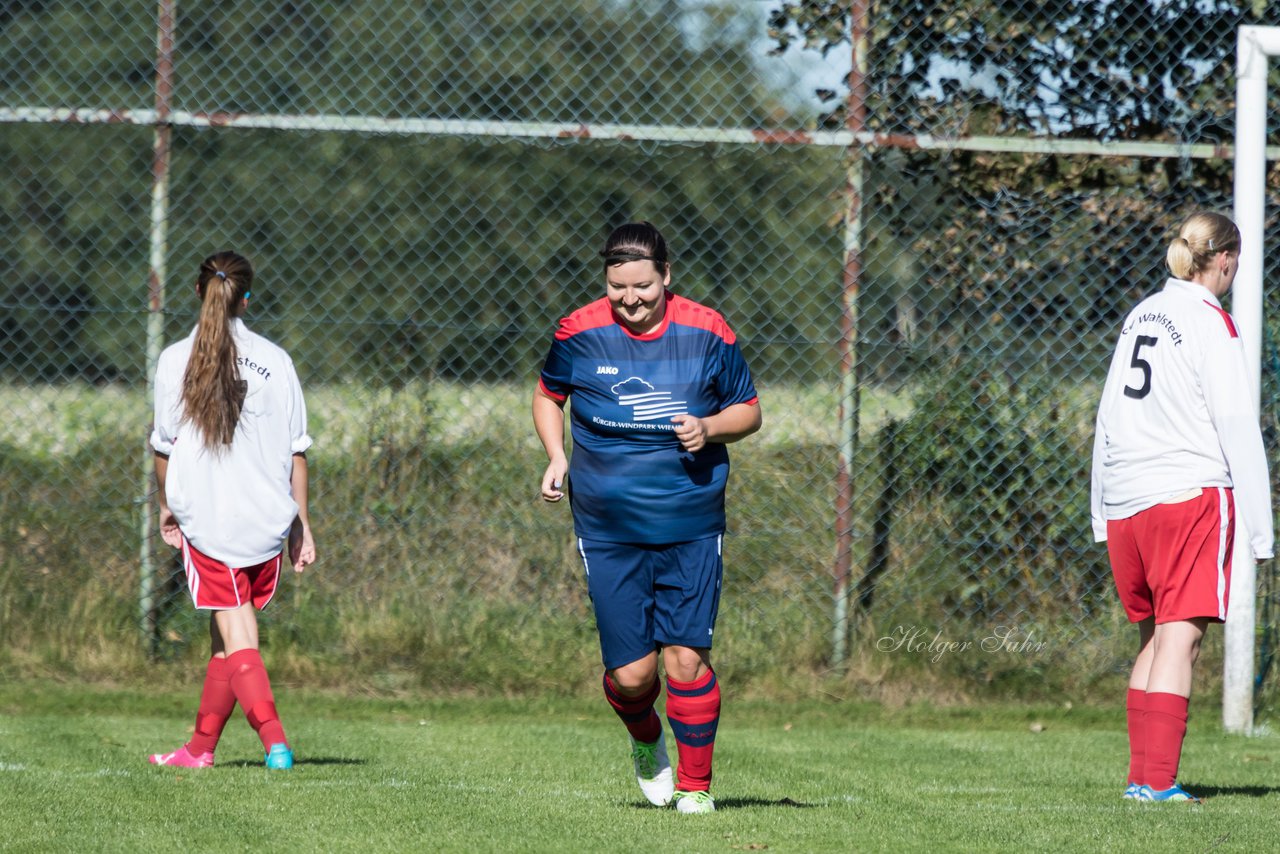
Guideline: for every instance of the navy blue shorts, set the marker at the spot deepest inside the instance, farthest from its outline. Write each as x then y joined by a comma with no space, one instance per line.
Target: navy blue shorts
646,597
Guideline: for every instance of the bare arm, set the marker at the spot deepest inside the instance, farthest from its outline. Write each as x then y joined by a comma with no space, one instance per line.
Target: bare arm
548,421
169,531
302,546
162,472
730,424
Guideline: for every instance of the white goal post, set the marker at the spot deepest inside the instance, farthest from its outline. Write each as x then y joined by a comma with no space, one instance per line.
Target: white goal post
1254,45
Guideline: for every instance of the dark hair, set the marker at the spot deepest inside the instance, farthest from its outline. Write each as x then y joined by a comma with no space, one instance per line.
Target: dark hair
212,391
636,241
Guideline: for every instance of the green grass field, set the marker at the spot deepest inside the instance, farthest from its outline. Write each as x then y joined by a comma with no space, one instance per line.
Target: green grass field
501,775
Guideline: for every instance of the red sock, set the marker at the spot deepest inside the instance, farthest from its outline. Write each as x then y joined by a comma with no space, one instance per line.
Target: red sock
217,702
253,689
637,713
1135,707
1166,725
694,711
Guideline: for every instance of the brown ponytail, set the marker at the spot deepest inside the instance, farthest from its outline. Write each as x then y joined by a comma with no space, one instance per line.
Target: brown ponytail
212,391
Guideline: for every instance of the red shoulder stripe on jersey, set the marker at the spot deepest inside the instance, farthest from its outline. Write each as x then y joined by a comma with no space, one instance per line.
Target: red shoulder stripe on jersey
551,394
686,312
1226,318
593,315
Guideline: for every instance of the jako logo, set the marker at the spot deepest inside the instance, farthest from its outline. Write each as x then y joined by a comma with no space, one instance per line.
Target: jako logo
607,369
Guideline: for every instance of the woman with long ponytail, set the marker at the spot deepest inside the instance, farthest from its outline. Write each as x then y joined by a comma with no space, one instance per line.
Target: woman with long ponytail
230,440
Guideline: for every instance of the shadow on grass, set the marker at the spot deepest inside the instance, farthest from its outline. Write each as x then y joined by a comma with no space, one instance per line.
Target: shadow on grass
742,803
1204,791
310,760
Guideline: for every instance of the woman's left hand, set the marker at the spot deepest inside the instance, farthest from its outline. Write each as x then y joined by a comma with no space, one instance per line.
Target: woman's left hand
691,431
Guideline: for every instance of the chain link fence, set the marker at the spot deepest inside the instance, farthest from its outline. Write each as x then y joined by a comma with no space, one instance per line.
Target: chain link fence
423,189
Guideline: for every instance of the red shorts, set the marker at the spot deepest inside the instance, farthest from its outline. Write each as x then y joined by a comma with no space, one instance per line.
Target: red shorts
219,587
1173,561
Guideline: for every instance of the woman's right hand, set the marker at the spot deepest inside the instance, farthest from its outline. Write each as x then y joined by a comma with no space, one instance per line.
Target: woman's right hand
302,546
553,480
169,531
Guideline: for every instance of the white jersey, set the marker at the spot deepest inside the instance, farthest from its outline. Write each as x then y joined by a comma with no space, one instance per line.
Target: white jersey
236,506
1177,413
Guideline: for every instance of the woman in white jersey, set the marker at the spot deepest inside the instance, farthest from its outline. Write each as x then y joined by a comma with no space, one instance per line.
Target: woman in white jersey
1177,461
230,441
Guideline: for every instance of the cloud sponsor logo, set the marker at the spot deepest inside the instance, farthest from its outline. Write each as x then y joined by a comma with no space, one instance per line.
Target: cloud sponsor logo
647,403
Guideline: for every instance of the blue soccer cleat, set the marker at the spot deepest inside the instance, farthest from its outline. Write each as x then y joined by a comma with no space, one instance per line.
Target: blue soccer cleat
279,757
1173,793
1133,792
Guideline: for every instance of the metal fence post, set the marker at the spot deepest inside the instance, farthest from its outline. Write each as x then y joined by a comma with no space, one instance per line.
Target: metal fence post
155,293
1253,46
850,391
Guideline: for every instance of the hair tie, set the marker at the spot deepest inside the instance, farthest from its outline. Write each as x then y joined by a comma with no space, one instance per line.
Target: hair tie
220,275
615,257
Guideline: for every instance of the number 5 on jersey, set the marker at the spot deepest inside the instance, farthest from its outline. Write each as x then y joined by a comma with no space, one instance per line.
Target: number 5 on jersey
1143,365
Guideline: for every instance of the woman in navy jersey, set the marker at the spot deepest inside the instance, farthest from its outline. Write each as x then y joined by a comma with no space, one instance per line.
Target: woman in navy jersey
230,441
1178,460
659,387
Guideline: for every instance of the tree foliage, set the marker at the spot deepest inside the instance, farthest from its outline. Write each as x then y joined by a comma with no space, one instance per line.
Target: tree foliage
388,257
1133,69
1011,246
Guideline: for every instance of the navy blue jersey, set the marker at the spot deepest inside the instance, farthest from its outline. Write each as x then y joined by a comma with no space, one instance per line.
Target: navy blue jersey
629,479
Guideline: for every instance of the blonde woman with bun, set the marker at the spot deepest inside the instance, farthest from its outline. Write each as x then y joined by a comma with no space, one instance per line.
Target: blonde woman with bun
1179,471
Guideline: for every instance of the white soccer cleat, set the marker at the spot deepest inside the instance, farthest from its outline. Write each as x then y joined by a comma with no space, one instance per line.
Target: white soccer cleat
694,802
653,770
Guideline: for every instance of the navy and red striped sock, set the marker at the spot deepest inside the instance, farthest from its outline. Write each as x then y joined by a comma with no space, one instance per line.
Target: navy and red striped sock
693,708
637,713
